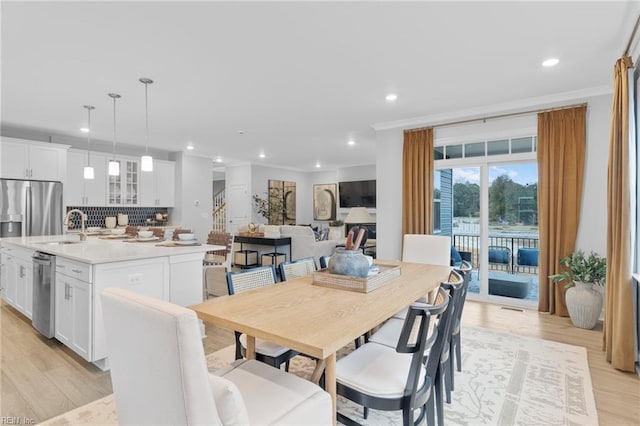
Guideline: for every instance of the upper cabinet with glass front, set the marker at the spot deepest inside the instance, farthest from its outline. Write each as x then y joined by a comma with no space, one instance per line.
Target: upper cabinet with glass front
122,190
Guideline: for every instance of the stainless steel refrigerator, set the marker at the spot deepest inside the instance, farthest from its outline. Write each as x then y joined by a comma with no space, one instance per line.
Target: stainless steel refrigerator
30,208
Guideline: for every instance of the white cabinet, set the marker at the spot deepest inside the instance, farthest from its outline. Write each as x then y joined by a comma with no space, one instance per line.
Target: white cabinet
186,284
17,278
149,277
74,306
24,287
9,277
73,314
79,191
122,190
23,159
157,188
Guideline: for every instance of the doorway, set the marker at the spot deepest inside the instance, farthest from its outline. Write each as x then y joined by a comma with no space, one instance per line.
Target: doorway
490,211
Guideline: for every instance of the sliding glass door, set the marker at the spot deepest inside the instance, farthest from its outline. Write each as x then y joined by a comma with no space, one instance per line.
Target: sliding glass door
490,210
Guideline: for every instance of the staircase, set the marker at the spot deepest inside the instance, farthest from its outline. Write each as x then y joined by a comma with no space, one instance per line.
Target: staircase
219,212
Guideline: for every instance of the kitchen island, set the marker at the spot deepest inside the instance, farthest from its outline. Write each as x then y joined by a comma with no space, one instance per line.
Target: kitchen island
84,268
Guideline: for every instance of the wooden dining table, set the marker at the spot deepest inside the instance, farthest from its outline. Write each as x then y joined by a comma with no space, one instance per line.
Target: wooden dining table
316,320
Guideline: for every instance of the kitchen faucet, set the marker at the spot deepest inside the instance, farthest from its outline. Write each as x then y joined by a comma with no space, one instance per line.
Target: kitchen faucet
83,220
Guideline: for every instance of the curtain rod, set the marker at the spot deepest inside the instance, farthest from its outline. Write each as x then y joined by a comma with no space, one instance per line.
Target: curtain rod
633,35
491,117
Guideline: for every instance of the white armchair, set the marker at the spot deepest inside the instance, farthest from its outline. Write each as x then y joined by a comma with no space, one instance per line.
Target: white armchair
160,376
304,244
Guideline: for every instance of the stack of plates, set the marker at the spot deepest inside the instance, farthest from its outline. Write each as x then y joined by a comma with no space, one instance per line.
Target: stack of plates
186,242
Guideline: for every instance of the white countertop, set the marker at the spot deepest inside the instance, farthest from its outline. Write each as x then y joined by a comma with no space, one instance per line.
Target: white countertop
95,250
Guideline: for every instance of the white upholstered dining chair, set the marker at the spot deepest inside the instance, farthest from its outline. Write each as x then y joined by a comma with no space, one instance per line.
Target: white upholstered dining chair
431,249
160,377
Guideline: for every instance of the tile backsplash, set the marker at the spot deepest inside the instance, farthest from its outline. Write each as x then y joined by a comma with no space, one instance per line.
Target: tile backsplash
95,215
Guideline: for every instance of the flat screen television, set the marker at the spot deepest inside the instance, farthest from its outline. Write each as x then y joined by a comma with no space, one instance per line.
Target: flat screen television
360,193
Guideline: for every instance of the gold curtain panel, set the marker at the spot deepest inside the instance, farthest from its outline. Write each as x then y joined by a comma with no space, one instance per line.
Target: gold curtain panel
561,154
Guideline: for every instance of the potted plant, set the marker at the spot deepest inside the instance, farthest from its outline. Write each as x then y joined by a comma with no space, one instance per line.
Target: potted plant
271,207
336,229
584,302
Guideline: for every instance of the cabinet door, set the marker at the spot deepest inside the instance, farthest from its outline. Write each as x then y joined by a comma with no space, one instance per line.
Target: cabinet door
131,182
165,183
13,160
74,193
46,163
114,187
95,189
123,189
24,286
64,311
148,187
80,297
9,279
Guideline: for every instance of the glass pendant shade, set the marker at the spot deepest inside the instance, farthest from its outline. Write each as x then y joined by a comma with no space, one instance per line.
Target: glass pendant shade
88,172
146,163
114,168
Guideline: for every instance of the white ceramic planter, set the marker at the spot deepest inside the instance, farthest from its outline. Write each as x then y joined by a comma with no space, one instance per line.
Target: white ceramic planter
584,304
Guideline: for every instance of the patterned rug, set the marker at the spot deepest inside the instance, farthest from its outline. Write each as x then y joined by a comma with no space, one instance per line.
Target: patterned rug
506,380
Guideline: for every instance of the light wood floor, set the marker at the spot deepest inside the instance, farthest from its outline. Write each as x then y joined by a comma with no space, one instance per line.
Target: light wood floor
40,378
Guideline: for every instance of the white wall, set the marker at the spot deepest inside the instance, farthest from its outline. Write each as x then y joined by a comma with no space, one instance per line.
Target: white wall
592,229
256,178
260,176
592,232
389,194
194,203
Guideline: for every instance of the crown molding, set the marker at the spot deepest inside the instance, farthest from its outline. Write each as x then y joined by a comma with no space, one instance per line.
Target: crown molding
480,112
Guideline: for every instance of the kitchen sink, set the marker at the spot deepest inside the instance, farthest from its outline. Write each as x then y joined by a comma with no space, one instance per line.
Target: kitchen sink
59,243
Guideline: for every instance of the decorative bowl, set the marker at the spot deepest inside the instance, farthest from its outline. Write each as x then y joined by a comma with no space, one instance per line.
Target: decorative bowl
118,231
186,237
145,234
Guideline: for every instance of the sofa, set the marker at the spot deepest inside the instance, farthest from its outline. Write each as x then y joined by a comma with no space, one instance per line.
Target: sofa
303,242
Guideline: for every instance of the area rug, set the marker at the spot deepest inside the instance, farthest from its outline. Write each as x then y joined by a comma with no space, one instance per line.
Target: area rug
506,380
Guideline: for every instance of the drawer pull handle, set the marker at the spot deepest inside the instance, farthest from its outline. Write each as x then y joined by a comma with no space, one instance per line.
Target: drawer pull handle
77,271
60,266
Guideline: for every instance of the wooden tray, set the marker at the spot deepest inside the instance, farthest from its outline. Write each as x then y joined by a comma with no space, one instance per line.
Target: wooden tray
114,237
251,234
387,273
135,240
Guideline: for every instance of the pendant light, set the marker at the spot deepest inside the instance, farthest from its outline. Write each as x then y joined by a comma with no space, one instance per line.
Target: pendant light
146,161
114,166
88,170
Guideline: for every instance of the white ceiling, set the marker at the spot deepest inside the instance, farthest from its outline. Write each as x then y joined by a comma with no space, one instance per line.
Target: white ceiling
299,78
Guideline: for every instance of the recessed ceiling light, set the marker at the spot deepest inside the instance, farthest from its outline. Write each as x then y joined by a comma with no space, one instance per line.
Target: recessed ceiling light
261,155
190,147
351,142
84,129
219,160
550,62
391,97
317,165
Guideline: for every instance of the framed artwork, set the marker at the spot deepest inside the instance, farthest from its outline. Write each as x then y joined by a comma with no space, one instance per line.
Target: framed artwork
324,201
282,202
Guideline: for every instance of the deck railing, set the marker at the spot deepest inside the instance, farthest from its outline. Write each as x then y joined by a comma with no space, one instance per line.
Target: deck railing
469,246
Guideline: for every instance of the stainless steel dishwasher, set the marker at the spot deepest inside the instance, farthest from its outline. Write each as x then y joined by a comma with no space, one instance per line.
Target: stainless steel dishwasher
44,268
